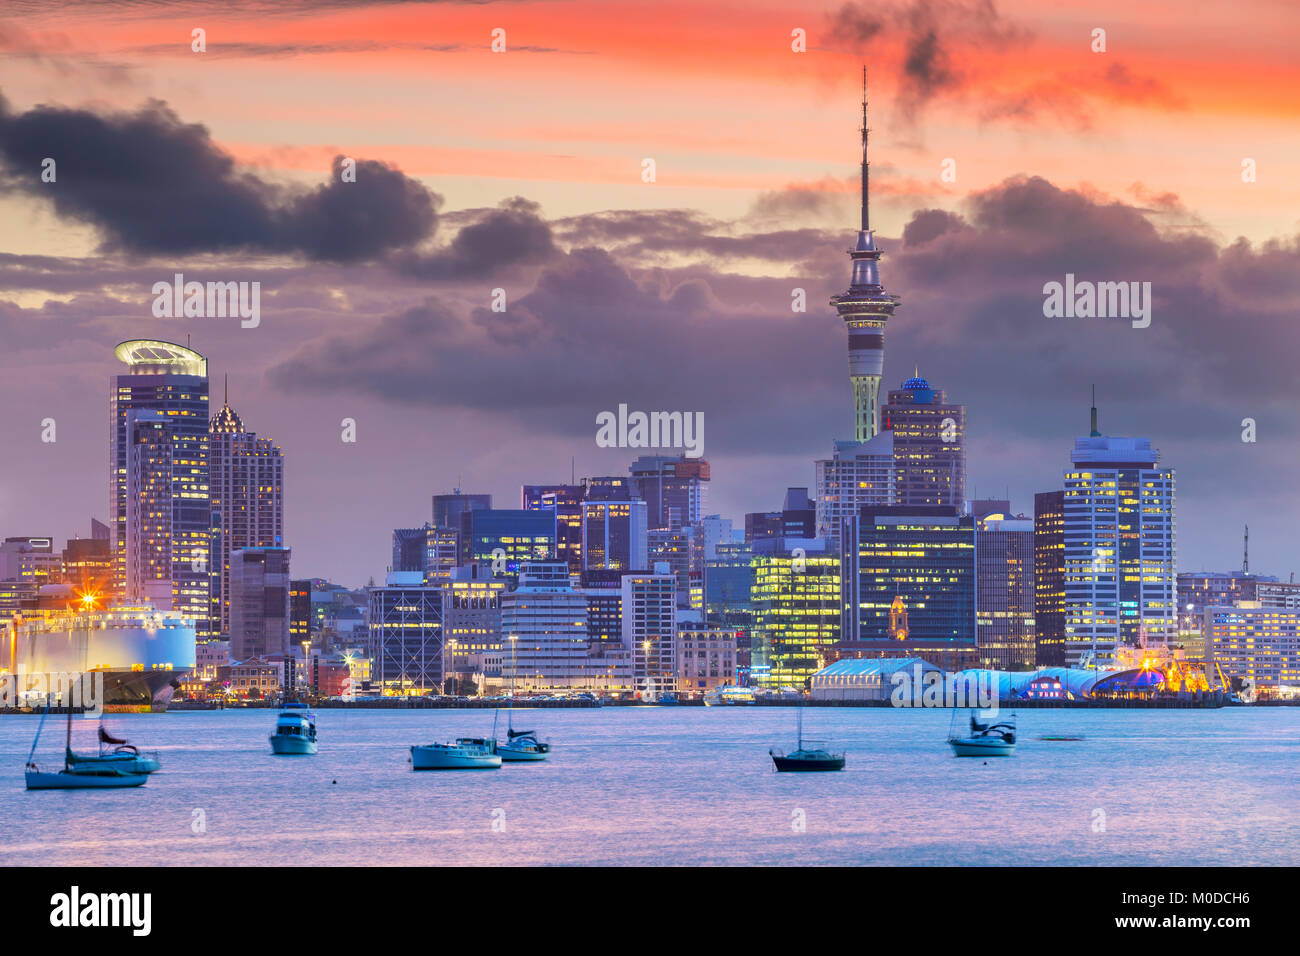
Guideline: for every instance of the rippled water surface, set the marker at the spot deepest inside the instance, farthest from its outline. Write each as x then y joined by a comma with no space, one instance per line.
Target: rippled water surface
675,785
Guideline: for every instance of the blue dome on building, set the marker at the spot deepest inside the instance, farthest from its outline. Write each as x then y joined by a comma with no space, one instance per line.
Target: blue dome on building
917,382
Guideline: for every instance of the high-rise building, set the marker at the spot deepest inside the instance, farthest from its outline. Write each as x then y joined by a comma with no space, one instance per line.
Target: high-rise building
857,474
865,309
566,502
410,548
441,555
650,630
672,488
167,519
795,597
260,612
614,535
300,614
171,381
1004,620
544,632
1120,549
1049,578
447,509
929,446
506,537
247,493
405,635
1258,647
796,519
910,584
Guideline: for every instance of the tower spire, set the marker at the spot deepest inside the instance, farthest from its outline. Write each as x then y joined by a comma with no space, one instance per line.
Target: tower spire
1094,433
866,220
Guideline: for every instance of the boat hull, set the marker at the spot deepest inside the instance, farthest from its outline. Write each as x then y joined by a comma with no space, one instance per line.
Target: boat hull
787,764
978,747
428,758
511,754
65,780
285,745
127,763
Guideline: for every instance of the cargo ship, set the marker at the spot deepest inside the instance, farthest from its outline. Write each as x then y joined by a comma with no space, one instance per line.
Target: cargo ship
142,652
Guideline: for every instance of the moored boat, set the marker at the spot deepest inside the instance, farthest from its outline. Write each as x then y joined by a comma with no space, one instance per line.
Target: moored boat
807,755
124,756
522,746
985,739
295,731
467,753
73,777
728,696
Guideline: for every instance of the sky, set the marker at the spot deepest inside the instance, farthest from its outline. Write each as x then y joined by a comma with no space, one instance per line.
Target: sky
1011,144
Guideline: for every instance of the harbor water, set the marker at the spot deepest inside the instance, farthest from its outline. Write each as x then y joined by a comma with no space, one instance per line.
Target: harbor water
675,786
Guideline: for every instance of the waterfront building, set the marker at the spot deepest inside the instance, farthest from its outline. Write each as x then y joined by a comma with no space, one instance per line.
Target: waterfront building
300,613
857,474
259,602
706,658
650,630
1049,578
673,489
929,446
608,658
404,623
544,632
209,657
1004,618
917,560
795,598
1257,647
171,380
1120,549
869,680
471,625
255,679
865,309
247,501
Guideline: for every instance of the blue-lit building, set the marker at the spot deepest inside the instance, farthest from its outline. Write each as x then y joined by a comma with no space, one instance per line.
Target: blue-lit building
515,535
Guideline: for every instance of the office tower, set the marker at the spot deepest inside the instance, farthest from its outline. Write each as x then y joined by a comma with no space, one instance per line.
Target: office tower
544,631
1004,601
447,509
857,474
614,534
795,597
1049,578
566,502
929,446
706,657
172,380
650,630
796,519
247,492
30,559
410,547
88,567
504,538
1120,549
259,603
673,548
909,584
672,488
441,555
1257,647
865,309
167,518
300,615
405,635
471,624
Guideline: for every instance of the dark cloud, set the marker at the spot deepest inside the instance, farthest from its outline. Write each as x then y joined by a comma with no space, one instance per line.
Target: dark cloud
512,235
154,185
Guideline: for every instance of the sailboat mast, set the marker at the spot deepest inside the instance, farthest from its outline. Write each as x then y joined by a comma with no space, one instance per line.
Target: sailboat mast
801,726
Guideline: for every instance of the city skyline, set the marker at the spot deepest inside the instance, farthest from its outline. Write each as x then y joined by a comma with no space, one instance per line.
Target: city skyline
399,335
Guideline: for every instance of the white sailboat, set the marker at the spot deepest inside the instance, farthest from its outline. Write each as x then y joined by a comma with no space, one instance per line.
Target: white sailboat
74,775
520,746
984,739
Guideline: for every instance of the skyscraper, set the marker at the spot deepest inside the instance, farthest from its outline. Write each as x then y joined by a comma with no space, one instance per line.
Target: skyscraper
856,474
650,629
795,597
1120,549
566,502
171,380
544,631
672,488
865,309
260,613
247,491
1004,620
929,446
1049,578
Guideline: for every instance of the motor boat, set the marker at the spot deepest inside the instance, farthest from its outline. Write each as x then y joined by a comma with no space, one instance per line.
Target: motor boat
985,739
467,753
295,731
728,696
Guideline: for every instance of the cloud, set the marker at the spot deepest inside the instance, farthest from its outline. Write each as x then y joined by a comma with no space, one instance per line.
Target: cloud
154,185
511,235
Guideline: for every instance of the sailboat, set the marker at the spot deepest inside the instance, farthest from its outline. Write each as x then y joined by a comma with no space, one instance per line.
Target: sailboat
984,739
810,757
520,746
123,756
76,776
